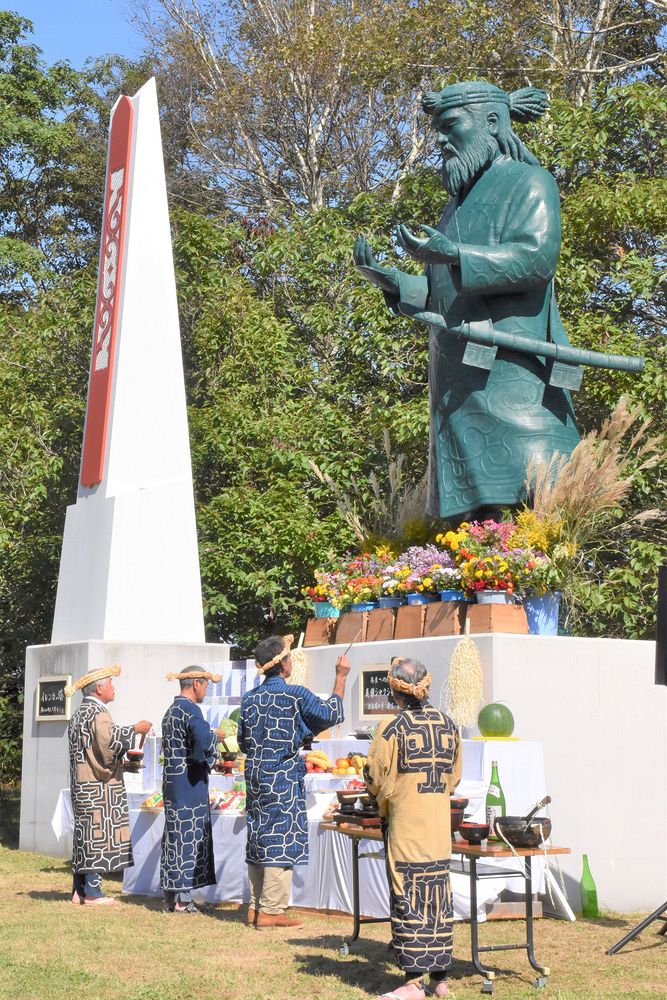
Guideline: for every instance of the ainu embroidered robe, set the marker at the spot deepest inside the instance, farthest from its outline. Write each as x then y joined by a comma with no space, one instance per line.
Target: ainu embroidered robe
275,719
190,748
101,840
414,763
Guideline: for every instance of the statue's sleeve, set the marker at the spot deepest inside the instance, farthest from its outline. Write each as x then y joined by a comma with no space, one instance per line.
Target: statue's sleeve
527,253
412,295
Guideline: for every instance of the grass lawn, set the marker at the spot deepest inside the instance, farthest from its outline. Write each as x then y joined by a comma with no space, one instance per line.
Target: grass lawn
51,950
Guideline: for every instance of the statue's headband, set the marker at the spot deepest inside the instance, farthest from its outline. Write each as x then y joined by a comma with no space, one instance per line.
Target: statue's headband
285,651
524,105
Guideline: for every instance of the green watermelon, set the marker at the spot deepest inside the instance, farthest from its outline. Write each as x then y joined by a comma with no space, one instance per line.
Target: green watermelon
495,720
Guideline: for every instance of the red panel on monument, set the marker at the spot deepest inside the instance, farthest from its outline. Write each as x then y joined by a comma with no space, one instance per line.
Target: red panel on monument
108,294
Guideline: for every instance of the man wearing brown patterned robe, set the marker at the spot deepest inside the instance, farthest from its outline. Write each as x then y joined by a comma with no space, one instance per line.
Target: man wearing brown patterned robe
97,746
414,763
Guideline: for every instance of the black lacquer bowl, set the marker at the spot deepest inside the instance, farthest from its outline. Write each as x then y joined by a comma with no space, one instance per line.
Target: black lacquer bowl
474,833
518,833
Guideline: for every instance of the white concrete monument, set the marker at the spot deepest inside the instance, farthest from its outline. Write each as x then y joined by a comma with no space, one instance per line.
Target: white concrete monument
130,567
129,588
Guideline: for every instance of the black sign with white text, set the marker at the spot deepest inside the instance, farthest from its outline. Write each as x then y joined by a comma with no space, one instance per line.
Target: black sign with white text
52,702
376,697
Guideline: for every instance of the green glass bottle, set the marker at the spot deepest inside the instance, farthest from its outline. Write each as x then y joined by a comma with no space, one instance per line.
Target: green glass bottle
495,801
588,892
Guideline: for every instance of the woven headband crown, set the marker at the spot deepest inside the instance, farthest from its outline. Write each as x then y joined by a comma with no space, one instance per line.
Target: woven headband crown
194,674
419,690
285,651
91,677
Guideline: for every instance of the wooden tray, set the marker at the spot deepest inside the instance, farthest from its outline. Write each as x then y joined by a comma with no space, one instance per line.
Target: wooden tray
361,821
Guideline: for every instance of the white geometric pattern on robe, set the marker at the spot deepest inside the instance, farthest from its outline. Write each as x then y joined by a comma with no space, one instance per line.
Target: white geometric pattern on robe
189,746
101,841
275,719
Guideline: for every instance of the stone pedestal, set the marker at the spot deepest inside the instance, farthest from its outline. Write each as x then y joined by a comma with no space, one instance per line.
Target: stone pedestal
142,692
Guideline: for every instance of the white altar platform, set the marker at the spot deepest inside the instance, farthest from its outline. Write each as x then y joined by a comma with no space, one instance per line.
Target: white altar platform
326,882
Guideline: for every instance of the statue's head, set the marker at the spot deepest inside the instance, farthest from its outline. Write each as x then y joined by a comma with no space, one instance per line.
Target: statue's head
473,121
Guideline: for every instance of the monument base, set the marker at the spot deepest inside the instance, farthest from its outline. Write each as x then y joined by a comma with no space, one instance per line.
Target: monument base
142,692
603,722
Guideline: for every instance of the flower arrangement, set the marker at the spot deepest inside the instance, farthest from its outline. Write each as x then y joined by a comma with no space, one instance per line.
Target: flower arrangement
522,556
357,589
491,572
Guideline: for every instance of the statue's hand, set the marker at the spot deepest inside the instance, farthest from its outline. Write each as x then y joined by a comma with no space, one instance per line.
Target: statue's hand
366,263
436,249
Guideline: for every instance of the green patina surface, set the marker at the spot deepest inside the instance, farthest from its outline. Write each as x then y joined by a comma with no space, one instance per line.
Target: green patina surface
489,270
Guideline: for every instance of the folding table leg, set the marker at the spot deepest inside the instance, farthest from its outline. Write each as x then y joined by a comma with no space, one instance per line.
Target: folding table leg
483,970
356,906
542,969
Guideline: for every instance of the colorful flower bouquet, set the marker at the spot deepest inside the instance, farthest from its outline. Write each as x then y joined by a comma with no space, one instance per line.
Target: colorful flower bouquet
524,556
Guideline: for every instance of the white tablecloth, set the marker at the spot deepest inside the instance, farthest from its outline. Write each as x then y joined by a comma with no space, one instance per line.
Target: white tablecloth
326,882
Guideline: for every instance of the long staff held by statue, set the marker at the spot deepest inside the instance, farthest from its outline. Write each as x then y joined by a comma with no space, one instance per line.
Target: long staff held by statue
484,335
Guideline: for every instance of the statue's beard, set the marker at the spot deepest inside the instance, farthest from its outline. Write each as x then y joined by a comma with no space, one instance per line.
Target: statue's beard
460,169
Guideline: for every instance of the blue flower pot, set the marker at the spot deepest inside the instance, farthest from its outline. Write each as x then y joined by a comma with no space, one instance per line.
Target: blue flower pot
325,609
452,595
390,602
363,606
418,598
494,597
542,613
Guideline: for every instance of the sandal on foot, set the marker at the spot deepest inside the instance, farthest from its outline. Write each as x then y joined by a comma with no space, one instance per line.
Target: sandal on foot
399,994
186,908
439,990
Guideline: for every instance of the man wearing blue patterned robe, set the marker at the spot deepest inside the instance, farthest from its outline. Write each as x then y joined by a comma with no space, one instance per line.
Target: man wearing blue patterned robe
190,749
274,721
101,841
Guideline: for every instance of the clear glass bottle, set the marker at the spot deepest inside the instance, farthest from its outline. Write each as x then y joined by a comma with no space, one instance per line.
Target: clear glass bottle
588,892
495,801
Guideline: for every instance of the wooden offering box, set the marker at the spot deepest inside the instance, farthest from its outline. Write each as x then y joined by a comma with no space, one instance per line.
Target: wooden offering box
410,621
444,618
497,618
352,627
380,625
320,631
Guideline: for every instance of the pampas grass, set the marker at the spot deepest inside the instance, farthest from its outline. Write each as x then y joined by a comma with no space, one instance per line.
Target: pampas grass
394,511
581,489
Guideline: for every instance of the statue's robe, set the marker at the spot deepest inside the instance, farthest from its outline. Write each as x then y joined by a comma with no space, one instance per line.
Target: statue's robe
487,424
275,719
101,841
414,763
190,748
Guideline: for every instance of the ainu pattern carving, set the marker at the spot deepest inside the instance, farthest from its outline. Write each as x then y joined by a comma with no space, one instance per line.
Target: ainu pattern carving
101,841
109,269
426,742
422,916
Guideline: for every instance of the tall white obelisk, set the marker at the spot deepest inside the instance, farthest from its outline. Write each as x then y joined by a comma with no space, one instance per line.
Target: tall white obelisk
129,588
130,567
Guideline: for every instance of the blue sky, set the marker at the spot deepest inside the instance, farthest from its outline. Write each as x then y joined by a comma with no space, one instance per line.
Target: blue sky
78,29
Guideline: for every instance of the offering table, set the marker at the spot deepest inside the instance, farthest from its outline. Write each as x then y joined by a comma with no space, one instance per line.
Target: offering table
472,854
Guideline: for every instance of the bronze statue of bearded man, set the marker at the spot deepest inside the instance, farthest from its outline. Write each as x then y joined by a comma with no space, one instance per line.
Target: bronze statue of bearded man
498,391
